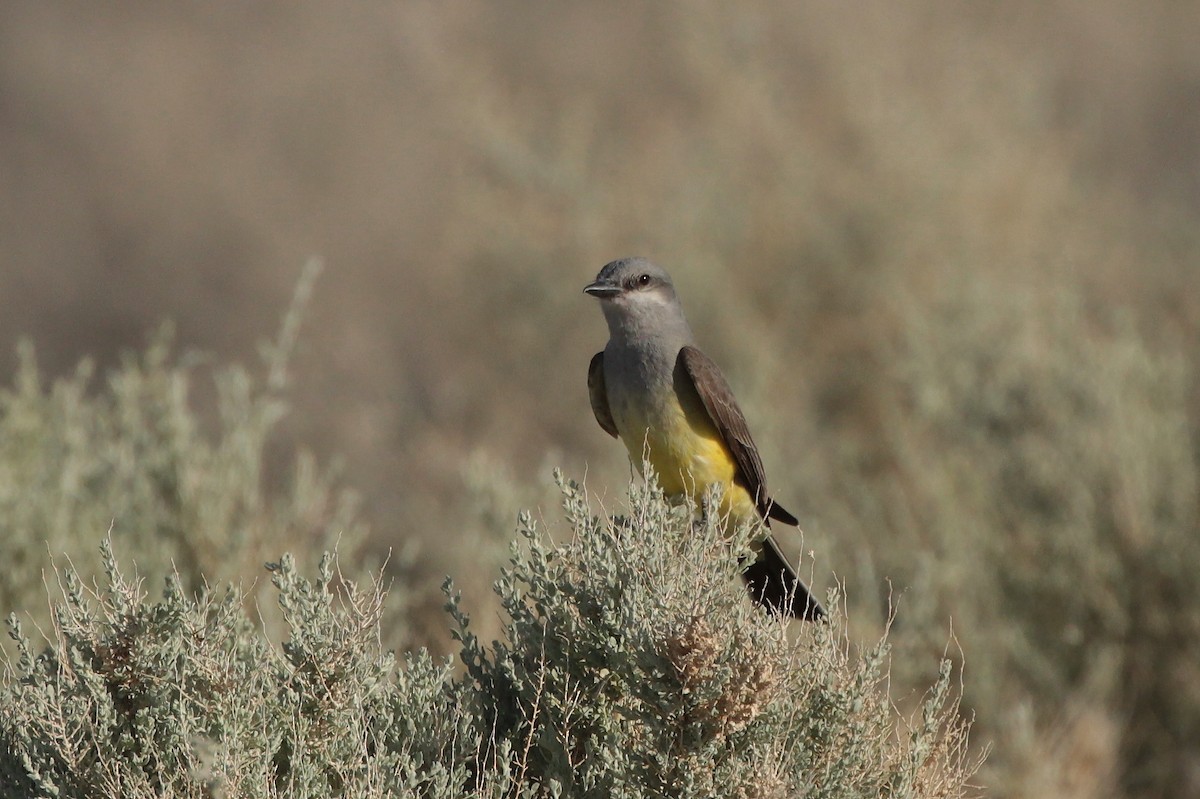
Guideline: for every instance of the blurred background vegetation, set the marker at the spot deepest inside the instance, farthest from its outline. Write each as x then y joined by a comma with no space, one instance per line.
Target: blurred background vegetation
946,253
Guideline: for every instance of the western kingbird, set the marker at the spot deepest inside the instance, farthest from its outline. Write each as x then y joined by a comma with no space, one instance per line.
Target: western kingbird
668,402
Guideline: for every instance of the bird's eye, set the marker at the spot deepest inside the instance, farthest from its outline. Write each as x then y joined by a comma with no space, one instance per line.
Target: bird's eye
643,280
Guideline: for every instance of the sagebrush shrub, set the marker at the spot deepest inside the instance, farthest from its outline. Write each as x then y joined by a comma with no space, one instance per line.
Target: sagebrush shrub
631,663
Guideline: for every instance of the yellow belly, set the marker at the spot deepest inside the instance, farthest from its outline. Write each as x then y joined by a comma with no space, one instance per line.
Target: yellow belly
686,451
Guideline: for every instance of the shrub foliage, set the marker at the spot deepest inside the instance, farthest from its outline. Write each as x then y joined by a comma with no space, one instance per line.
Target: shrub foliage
182,493
631,663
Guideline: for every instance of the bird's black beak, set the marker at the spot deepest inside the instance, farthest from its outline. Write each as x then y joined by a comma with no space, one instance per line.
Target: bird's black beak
601,290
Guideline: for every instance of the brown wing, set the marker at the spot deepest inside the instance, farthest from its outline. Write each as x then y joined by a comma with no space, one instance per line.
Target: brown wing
599,395
717,398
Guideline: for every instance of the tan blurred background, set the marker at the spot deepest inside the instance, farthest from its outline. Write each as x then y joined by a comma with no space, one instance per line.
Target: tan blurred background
817,176
463,168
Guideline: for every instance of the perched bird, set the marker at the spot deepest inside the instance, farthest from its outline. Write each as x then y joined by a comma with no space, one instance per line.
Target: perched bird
668,402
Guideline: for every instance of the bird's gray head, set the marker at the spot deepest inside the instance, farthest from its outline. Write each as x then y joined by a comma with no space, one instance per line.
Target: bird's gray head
638,300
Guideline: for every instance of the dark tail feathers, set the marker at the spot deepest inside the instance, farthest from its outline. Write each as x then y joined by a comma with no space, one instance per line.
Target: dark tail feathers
774,585
775,511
